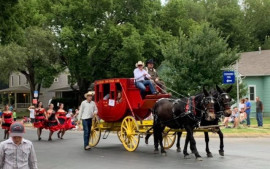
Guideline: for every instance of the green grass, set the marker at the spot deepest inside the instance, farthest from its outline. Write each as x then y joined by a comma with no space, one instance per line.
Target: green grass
20,115
253,130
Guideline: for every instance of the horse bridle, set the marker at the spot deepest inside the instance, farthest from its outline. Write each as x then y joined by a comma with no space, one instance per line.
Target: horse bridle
223,106
206,101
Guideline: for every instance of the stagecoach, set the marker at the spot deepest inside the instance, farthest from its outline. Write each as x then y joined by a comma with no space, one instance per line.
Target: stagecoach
121,109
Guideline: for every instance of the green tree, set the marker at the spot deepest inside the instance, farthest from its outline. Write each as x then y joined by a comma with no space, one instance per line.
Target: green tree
16,16
175,15
228,17
7,21
104,39
196,61
36,58
257,19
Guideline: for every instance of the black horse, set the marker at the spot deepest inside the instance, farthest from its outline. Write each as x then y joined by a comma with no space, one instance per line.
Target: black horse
175,115
222,107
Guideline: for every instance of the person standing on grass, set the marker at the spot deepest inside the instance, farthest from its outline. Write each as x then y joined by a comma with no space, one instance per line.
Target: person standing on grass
259,112
248,109
14,115
17,152
87,111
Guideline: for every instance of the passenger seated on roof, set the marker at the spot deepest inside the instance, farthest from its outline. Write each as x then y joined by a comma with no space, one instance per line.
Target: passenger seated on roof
140,74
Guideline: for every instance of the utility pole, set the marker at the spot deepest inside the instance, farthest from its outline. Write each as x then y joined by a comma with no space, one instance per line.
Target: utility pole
237,82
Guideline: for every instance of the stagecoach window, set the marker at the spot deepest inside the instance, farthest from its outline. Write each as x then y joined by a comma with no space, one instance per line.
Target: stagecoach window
106,90
252,92
118,87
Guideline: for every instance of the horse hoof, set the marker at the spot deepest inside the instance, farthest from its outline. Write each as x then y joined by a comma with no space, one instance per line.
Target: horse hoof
178,150
209,155
146,141
221,152
199,159
156,151
186,157
164,154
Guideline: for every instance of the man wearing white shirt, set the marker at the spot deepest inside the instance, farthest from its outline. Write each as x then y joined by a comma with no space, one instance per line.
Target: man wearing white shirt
17,152
140,74
87,111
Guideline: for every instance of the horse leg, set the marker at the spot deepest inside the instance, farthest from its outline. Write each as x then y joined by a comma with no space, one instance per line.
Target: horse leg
147,137
186,155
206,136
160,138
155,131
193,142
179,134
221,151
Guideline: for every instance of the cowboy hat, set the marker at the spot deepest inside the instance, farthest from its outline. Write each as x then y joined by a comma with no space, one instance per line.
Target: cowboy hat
89,93
151,61
139,63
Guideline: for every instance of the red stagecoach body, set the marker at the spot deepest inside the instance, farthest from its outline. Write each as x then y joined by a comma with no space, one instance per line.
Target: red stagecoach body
112,110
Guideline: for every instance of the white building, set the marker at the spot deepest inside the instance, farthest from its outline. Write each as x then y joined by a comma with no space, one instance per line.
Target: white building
19,90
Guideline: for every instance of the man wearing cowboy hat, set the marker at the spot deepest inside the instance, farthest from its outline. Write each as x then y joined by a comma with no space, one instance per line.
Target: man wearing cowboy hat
141,77
87,110
17,152
154,75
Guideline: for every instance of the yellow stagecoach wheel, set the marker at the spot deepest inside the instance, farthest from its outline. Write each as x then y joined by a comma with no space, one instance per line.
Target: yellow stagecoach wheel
95,132
168,139
129,135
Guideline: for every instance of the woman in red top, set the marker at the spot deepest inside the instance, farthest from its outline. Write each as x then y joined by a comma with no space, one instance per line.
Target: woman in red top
61,117
39,119
51,121
6,121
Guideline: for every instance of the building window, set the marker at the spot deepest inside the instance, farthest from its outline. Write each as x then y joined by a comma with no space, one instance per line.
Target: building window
19,80
56,79
252,92
11,81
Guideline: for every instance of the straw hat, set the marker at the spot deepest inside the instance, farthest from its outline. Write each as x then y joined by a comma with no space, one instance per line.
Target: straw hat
139,63
89,93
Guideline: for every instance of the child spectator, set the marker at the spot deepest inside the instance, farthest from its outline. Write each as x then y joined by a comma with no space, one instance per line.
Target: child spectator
242,116
232,119
32,114
14,115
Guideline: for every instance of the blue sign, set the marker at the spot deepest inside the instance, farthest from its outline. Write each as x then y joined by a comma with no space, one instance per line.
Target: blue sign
35,93
228,77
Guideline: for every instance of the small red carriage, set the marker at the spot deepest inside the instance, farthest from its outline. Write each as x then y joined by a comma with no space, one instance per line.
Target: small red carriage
122,109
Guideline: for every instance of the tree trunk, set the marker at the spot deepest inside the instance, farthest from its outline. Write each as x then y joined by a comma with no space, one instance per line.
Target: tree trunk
31,80
83,88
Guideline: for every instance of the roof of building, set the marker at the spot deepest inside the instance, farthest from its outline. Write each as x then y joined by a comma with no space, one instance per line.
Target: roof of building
16,89
63,89
255,63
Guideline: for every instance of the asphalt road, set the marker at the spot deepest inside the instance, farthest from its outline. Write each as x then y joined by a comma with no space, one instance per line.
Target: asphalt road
247,153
